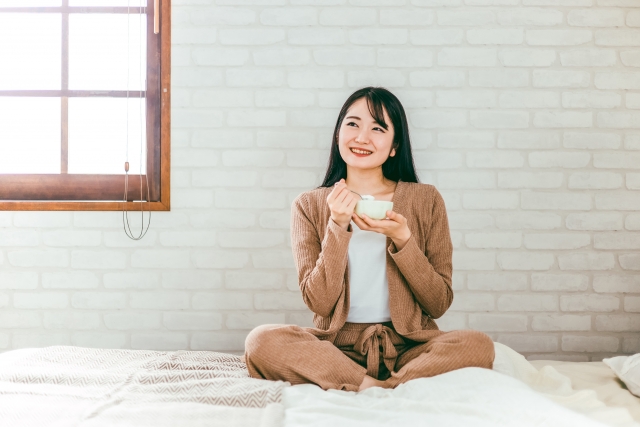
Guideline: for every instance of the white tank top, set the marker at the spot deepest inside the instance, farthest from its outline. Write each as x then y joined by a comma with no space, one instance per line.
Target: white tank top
368,284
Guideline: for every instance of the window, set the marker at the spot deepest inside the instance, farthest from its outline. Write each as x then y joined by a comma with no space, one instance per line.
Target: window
80,81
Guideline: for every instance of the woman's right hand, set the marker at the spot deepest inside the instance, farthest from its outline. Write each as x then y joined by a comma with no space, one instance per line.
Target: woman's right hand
342,203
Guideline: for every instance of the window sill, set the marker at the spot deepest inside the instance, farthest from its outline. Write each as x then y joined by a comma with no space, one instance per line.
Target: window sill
81,206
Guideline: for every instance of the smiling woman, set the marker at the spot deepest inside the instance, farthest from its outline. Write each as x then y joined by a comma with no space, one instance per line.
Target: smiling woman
375,286
373,120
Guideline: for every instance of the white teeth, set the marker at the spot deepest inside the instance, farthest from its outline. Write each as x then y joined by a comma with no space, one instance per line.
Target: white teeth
360,151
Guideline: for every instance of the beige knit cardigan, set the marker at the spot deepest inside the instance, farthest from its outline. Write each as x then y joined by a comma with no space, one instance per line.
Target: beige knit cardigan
419,275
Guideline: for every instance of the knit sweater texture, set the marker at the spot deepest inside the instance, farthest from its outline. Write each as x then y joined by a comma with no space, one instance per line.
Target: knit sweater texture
419,274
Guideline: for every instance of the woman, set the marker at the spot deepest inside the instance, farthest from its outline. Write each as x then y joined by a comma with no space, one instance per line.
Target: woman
375,286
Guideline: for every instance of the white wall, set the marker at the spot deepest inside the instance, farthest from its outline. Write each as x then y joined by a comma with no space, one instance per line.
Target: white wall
524,114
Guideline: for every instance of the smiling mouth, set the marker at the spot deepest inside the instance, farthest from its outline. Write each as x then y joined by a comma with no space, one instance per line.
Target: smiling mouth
357,151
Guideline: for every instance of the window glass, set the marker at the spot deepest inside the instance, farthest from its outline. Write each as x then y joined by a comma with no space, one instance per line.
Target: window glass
98,46
29,3
98,135
30,51
29,135
112,3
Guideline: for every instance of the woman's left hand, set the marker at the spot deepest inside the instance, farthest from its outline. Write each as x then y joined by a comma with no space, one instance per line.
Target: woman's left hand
395,227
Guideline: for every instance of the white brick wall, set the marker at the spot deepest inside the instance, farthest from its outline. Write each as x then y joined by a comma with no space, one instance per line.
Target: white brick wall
523,113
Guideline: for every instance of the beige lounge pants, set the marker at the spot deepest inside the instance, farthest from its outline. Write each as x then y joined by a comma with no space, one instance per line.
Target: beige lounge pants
291,353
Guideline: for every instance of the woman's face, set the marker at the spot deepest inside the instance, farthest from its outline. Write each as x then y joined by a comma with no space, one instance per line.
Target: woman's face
363,143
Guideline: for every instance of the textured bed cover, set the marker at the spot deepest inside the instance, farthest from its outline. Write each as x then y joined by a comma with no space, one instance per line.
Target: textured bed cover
81,387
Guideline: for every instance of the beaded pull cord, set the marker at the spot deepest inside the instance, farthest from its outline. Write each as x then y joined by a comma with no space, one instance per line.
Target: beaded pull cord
125,214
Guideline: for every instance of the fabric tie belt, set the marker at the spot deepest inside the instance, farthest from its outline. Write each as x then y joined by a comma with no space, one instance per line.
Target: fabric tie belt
369,342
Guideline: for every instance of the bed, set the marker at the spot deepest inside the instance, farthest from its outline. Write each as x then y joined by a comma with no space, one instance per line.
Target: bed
597,377
74,386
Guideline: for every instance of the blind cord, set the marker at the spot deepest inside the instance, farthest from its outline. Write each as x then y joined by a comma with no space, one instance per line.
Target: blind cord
125,214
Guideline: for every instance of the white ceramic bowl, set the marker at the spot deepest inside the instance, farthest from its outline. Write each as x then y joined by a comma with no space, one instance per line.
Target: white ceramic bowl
375,209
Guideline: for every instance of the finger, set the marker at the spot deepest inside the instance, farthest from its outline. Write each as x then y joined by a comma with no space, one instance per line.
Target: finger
379,226
359,222
332,195
347,205
366,227
352,204
339,183
336,195
342,196
394,216
337,187
370,222
350,197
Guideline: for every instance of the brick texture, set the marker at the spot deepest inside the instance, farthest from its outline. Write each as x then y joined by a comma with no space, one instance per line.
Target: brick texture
522,113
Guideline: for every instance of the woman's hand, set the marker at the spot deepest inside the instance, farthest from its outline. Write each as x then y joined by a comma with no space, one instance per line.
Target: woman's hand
342,202
395,227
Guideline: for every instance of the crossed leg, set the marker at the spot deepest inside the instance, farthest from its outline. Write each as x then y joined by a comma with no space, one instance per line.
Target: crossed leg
443,353
289,353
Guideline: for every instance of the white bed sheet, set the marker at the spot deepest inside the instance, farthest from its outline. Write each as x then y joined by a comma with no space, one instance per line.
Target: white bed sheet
469,397
514,394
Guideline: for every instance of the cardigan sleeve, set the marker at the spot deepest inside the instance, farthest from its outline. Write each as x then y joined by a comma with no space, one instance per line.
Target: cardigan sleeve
322,263
428,274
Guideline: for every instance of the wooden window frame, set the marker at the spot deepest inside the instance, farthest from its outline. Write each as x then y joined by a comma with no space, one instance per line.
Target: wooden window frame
77,192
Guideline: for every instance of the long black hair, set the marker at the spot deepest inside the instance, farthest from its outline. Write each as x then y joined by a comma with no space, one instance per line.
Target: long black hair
397,168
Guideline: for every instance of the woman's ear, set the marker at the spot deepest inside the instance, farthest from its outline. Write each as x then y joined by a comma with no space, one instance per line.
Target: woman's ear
393,152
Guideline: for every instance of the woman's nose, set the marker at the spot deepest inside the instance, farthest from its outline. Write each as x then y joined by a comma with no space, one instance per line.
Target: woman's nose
363,136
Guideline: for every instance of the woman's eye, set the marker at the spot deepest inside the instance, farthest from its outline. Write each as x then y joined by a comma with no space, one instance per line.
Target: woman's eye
351,123
380,129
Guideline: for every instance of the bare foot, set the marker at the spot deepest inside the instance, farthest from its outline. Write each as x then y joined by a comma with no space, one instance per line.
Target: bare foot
369,382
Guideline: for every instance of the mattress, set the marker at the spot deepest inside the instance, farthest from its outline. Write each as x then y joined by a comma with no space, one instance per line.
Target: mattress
598,377
72,386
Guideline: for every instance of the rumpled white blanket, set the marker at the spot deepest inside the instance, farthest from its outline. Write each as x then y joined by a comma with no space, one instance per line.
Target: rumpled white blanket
513,394
557,387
